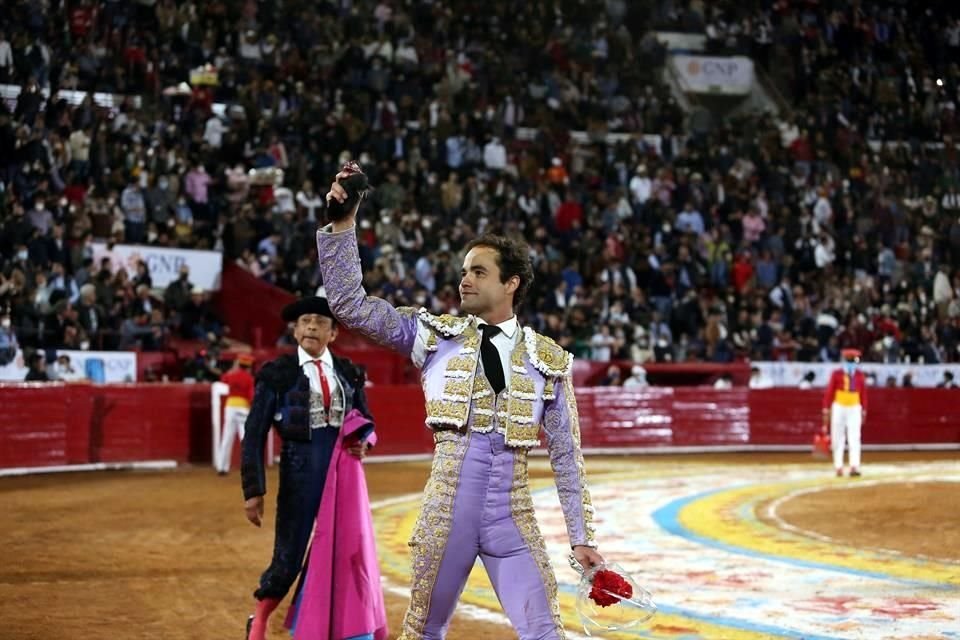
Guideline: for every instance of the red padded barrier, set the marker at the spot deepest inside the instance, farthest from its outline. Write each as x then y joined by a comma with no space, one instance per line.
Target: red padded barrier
896,416
53,424
148,422
33,430
663,416
400,416
690,416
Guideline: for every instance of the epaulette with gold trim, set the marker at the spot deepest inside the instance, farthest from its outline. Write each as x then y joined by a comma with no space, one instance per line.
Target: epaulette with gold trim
547,356
447,325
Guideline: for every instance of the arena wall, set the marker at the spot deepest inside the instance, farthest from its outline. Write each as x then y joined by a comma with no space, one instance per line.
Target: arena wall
67,424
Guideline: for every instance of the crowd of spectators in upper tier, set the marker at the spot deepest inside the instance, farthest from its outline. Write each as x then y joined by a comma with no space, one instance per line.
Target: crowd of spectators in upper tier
835,223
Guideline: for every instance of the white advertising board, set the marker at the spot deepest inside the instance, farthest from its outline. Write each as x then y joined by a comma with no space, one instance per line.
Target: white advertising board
164,263
708,74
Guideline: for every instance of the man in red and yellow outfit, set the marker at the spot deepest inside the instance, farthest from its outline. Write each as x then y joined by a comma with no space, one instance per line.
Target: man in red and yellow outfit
237,408
845,410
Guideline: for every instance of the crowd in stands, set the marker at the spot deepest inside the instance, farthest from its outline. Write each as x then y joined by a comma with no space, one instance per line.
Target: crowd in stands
783,236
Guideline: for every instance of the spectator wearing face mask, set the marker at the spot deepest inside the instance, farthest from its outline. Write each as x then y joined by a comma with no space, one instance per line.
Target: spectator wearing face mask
64,370
889,349
42,291
601,344
63,282
90,315
40,217
637,379
613,377
159,201
178,292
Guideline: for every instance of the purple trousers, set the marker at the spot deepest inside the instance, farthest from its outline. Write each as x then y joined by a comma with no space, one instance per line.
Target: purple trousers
477,504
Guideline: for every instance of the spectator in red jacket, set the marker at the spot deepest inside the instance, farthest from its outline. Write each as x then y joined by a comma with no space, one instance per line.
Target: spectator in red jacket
742,271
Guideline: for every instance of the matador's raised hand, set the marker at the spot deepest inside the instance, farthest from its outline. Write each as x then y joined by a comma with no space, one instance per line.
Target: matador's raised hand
346,193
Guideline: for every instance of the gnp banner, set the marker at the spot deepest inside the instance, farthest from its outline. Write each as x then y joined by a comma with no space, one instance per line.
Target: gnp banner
707,74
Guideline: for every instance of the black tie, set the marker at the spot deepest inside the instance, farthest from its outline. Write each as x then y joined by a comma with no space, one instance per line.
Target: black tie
492,366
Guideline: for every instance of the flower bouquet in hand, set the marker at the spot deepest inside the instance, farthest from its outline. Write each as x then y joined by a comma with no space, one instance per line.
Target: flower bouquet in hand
609,599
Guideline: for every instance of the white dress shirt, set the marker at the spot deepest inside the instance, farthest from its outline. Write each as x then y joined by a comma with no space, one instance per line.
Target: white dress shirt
505,341
310,369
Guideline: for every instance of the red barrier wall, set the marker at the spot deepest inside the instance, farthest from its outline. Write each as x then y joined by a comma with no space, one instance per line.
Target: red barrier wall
43,424
688,416
52,424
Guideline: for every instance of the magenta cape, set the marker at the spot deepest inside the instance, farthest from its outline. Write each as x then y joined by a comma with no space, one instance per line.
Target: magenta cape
340,596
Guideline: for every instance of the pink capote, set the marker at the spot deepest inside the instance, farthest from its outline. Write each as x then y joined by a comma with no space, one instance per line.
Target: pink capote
341,595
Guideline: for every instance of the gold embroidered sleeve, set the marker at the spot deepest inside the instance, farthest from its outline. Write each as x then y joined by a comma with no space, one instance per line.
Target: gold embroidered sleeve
562,427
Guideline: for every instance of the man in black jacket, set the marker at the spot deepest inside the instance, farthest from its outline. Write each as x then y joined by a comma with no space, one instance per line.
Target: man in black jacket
305,397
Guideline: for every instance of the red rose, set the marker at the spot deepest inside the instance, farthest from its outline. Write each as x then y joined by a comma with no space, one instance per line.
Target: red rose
607,585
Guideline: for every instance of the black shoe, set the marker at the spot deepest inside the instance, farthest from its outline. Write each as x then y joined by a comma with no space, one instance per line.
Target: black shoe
221,473
249,625
855,473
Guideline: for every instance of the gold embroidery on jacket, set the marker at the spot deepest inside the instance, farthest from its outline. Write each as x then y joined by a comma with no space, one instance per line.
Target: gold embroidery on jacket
456,390
461,364
517,425
444,412
585,500
449,326
522,387
453,407
483,403
547,356
429,540
521,508
548,392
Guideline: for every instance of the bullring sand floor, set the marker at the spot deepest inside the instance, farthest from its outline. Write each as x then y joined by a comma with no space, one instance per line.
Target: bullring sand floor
732,546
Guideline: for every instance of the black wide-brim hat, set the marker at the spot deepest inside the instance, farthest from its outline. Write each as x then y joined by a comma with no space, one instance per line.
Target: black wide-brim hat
313,304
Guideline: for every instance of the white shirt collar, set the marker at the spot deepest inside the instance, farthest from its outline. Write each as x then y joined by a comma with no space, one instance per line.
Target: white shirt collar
305,357
508,327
